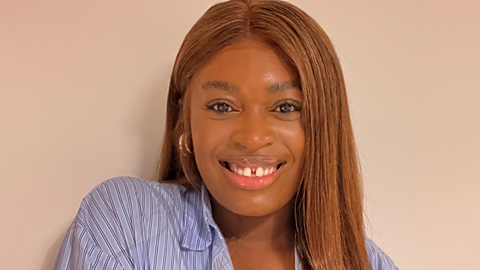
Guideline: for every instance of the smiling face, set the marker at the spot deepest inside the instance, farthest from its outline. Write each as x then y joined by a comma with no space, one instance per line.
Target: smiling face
246,129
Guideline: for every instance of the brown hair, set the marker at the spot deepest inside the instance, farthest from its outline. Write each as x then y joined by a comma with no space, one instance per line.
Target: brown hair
329,211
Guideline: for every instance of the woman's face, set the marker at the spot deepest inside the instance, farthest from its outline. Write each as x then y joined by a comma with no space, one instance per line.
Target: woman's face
247,135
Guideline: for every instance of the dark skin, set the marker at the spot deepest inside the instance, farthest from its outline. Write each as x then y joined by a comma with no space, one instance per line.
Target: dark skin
245,103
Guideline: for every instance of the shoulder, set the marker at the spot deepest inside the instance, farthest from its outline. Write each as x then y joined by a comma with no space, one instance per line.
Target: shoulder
378,259
137,192
129,199
120,221
121,212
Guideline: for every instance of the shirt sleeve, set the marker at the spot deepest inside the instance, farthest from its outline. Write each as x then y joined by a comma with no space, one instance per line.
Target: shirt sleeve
108,231
79,252
378,259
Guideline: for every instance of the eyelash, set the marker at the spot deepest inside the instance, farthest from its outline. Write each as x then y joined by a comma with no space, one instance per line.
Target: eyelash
214,107
296,108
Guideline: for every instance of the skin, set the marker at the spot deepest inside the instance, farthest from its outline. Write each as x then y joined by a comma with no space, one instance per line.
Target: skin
254,111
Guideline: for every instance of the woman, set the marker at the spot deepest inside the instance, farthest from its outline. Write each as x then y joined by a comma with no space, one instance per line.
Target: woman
258,167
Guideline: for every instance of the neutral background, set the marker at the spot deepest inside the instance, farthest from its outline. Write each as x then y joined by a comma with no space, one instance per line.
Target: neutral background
83,92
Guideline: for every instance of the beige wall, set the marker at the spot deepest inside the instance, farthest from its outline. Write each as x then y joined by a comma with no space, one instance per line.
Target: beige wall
83,87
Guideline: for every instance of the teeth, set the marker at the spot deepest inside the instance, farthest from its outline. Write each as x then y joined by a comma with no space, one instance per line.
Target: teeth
256,172
259,172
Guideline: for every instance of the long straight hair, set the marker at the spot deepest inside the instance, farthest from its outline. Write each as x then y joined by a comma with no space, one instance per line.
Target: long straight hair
329,210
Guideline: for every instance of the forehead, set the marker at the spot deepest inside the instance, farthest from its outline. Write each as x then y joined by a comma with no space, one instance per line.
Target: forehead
244,63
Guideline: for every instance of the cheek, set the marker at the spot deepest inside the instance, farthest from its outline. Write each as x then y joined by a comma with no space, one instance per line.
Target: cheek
293,137
208,138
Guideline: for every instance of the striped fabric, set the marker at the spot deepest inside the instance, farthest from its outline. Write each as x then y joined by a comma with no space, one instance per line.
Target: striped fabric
126,223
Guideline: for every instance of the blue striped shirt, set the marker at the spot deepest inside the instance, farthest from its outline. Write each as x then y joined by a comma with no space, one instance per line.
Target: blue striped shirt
126,223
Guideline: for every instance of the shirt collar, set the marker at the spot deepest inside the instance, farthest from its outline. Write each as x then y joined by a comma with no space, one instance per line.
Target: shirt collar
198,220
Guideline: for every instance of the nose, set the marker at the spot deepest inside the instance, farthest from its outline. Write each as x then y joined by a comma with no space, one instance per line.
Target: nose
253,131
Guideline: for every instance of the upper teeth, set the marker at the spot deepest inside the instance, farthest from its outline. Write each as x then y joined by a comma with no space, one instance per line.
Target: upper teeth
255,172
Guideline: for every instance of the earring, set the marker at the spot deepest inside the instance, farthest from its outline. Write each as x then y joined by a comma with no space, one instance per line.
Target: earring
183,144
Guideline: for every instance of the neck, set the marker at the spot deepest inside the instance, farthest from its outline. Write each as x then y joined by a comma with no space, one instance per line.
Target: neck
273,231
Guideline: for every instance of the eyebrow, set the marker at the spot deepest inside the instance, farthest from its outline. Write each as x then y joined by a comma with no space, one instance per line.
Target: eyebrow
221,85
272,88
282,86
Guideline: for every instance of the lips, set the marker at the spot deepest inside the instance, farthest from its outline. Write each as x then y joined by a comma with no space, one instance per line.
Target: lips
252,172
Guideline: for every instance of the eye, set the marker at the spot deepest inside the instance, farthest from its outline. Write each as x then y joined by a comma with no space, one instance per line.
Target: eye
220,107
287,108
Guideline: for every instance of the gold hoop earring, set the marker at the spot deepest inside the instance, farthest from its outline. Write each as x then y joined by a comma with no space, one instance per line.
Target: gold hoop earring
183,145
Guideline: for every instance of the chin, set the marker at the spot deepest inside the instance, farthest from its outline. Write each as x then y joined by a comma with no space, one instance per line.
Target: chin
252,204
